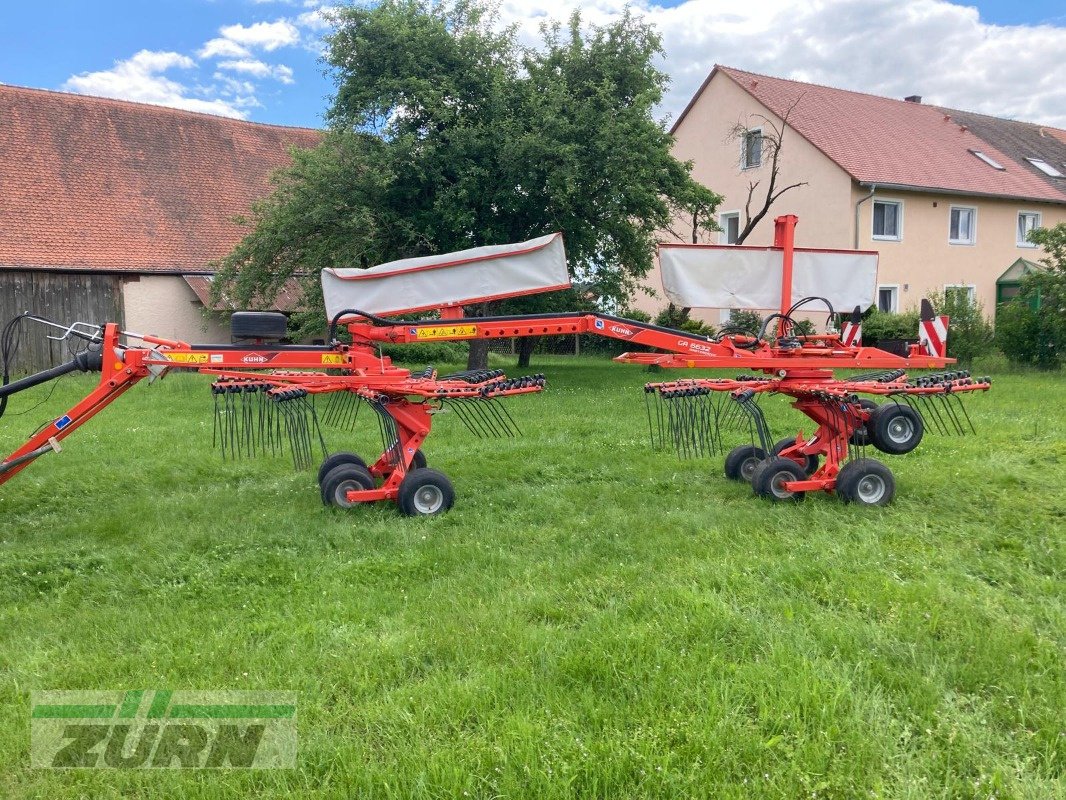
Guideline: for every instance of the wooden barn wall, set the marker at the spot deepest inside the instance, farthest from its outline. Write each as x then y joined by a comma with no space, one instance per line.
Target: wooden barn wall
60,296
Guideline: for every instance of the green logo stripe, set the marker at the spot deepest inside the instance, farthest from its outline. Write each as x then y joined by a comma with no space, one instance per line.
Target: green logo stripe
130,704
159,704
73,712
232,712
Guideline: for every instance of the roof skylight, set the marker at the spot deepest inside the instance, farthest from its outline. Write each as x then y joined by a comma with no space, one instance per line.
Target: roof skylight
988,160
1045,167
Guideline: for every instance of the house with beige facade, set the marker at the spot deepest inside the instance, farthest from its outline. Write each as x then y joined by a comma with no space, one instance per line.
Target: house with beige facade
944,196
115,211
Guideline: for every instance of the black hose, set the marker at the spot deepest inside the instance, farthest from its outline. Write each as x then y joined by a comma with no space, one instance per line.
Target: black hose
356,312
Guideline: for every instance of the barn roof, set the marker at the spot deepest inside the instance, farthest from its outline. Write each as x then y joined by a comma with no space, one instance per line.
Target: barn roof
88,183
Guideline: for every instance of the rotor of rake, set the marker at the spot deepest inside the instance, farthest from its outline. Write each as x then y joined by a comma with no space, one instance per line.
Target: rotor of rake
255,417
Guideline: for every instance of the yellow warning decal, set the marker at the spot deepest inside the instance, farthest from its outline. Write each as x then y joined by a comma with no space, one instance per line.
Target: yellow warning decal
448,332
332,358
188,358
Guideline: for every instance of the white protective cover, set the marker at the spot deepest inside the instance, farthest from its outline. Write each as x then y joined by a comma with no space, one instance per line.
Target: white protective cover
727,276
467,276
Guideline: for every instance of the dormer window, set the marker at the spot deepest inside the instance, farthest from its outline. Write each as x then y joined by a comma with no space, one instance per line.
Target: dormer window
988,160
1044,167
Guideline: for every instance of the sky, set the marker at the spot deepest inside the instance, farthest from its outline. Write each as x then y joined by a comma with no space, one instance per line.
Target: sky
260,60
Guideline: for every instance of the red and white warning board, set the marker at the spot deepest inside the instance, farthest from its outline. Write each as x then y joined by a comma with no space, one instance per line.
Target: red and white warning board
933,336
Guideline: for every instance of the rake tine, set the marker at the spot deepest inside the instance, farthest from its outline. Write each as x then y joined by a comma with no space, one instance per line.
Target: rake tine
949,412
456,406
514,424
965,414
492,411
476,409
934,415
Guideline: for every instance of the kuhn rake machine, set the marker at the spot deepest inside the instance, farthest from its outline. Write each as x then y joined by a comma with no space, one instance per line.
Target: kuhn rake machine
265,394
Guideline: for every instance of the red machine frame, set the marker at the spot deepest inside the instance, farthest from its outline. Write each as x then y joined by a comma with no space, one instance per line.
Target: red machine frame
800,367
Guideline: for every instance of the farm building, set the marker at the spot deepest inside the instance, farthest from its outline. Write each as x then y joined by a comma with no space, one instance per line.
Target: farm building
946,197
112,210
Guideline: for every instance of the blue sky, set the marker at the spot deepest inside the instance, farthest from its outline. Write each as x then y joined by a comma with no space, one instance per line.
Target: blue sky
259,59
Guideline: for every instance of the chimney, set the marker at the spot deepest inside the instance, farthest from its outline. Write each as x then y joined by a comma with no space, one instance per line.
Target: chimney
914,98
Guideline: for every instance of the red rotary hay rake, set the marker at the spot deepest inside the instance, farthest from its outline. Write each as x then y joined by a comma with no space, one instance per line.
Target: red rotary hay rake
265,394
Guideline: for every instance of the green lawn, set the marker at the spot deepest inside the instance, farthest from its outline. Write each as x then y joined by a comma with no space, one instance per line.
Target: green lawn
592,618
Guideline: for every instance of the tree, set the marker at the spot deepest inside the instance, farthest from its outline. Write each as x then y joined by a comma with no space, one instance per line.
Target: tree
445,134
765,144
1031,328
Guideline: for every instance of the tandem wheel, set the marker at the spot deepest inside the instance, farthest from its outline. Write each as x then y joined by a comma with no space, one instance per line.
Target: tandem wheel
425,492
866,482
741,462
770,476
810,462
344,478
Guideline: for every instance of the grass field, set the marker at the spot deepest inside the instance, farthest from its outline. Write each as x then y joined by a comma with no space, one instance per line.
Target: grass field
592,619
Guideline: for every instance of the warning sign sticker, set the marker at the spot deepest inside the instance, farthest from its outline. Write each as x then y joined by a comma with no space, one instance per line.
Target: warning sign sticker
448,332
189,358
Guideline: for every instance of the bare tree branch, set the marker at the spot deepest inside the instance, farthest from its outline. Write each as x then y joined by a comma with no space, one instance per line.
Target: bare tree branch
770,145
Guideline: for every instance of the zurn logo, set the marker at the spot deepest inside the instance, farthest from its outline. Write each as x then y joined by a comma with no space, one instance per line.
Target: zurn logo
163,730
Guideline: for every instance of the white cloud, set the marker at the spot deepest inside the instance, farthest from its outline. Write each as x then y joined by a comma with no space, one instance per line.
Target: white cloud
894,48
267,35
315,20
258,69
141,79
226,48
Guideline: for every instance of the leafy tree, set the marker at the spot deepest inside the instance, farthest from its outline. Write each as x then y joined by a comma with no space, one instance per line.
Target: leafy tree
1031,329
445,134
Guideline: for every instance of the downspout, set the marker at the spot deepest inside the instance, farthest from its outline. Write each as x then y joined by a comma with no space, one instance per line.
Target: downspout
873,191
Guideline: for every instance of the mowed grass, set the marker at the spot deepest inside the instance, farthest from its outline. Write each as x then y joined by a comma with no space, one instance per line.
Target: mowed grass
592,618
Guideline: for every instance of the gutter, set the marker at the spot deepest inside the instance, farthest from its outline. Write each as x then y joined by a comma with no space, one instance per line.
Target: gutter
905,187
873,191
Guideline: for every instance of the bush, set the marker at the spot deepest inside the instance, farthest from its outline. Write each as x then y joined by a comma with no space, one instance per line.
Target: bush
1026,336
969,332
678,319
426,354
743,319
1038,336
880,325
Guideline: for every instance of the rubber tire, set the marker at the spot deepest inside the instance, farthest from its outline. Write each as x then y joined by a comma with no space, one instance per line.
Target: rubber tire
418,460
335,460
811,462
344,478
773,471
742,461
886,424
425,493
860,437
857,483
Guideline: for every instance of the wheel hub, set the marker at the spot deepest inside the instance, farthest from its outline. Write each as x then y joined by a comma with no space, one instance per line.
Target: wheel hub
428,499
900,430
870,489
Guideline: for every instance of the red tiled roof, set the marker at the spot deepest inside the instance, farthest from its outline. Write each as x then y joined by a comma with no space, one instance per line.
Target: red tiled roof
891,142
290,298
96,184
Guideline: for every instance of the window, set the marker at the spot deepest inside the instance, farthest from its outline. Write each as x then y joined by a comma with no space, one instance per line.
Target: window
724,315
1027,221
963,225
888,220
888,298
1044,167
730,225
960,291
988,160
751,149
